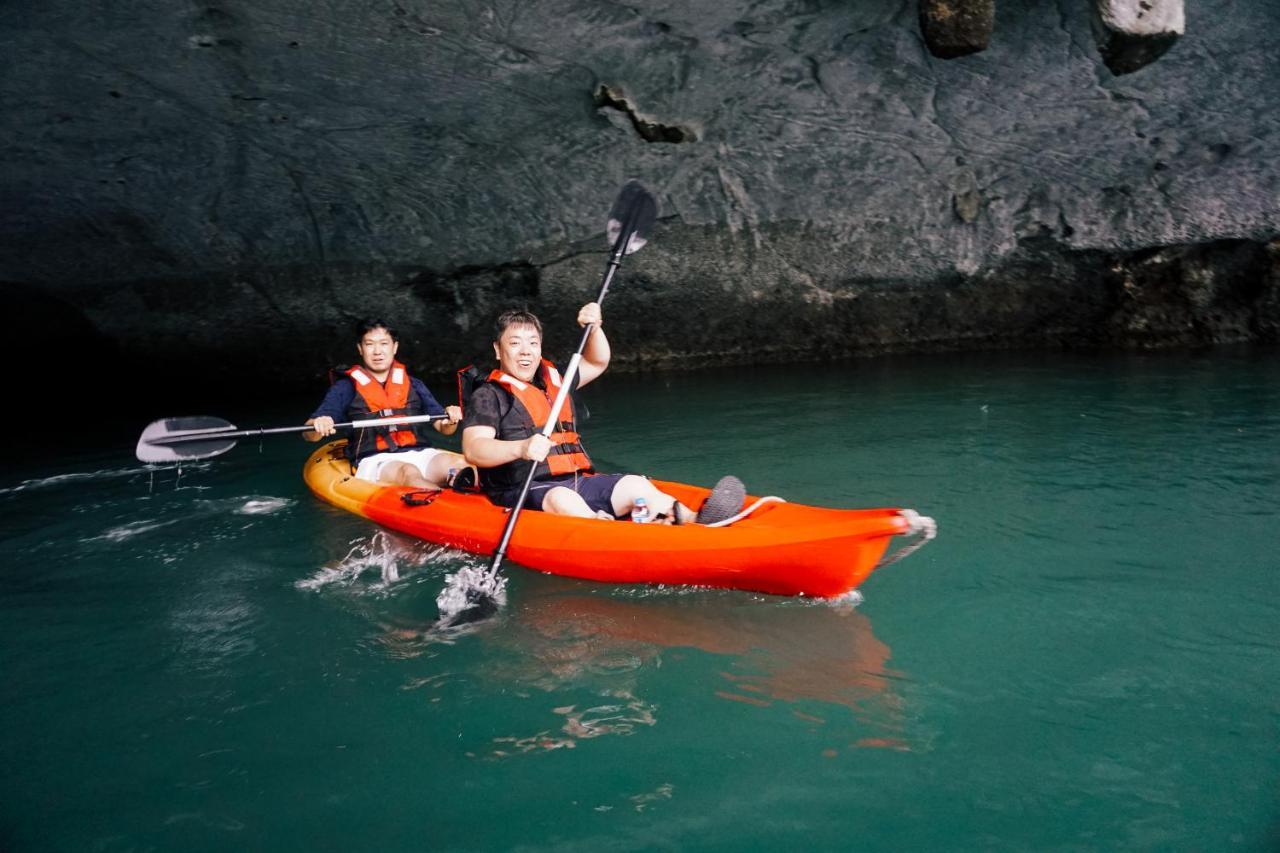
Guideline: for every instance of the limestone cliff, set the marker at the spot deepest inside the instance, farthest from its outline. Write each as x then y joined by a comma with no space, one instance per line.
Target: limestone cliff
235,182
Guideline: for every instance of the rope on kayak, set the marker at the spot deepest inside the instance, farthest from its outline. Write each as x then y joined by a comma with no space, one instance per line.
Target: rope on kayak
420,497
759,502
923,525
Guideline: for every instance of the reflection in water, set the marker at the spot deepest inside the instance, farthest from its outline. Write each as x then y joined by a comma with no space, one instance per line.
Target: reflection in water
555,638
776,653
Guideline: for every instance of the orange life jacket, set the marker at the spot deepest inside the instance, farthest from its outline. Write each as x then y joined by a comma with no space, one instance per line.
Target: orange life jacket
394,399
567,454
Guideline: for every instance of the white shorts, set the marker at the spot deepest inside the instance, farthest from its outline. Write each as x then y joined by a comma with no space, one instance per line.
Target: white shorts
371,466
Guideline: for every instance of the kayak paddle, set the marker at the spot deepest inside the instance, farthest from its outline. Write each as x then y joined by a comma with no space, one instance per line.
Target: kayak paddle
630,224
201,437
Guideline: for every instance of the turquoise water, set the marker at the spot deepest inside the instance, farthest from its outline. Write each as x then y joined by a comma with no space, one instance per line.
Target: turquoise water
1085,659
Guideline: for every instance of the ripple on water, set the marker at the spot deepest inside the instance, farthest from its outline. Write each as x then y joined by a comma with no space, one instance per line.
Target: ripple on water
129,530
621,717
186,511
74,478
263,506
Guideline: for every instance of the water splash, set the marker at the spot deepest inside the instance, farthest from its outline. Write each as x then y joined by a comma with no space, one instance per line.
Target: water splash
846,602
382,553
465,587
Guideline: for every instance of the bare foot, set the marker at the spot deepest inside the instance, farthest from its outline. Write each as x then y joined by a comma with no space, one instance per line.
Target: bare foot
686,515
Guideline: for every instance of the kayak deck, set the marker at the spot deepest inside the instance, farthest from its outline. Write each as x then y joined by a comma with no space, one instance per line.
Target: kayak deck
781,548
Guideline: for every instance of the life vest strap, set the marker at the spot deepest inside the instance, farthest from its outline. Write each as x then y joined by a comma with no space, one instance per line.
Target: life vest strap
385,400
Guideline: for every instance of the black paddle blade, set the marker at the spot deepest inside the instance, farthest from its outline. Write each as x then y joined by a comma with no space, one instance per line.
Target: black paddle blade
635,210
480,608
148,451
471,595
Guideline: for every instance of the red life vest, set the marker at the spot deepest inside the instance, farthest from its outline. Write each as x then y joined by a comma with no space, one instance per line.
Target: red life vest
567,454
385,401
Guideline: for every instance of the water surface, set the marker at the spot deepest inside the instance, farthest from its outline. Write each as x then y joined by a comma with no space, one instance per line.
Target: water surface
1086,658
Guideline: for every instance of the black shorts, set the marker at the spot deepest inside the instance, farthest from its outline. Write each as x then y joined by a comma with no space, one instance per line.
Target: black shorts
595,489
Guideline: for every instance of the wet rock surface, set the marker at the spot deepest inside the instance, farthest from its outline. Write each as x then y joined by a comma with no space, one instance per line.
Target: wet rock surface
234,184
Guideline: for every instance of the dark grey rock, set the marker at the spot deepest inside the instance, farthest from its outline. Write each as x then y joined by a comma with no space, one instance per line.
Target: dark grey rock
233,184
954,28
967,201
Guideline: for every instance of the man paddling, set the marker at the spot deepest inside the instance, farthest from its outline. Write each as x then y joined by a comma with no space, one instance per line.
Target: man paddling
379,387
501,434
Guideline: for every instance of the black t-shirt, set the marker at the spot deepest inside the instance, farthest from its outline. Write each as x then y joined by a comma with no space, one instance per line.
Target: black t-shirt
490,402
490,406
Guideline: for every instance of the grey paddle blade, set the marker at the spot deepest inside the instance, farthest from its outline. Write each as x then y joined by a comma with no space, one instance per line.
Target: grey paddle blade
636,210
197,448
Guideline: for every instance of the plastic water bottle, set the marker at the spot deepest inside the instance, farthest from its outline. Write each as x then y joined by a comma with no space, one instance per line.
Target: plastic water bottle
640,511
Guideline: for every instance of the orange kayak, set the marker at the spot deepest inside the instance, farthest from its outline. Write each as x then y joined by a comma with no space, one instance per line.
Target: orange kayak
780,548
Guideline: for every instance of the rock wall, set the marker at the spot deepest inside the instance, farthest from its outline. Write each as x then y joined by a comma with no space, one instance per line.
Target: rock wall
231,183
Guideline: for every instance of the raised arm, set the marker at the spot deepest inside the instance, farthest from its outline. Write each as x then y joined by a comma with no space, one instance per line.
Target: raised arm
596,355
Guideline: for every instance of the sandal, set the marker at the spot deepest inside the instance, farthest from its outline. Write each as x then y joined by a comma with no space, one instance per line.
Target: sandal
673,515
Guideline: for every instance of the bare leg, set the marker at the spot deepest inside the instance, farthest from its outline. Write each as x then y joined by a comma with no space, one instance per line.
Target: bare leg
562,501
634,486
438,467
402,474
406,474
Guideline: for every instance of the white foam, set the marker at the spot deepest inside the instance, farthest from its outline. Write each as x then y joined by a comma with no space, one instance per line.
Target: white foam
263,506
848,601
381,552
466,585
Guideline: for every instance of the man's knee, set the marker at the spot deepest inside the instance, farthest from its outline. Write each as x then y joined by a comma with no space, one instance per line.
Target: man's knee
562,501
401,474
627,489
634,486
634,482
441,463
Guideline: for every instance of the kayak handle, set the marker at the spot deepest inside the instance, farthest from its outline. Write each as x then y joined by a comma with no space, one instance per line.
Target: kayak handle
917,525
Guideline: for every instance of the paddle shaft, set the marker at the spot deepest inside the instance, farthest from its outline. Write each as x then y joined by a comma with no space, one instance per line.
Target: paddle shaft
571,373
211,434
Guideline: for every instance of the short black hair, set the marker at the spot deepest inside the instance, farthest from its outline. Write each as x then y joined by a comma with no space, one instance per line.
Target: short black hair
367,326
515,317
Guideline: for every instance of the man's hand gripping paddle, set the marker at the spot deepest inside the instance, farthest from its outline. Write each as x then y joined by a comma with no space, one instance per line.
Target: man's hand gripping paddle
471,595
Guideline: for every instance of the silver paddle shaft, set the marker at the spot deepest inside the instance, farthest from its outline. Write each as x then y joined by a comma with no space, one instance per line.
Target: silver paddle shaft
180,436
